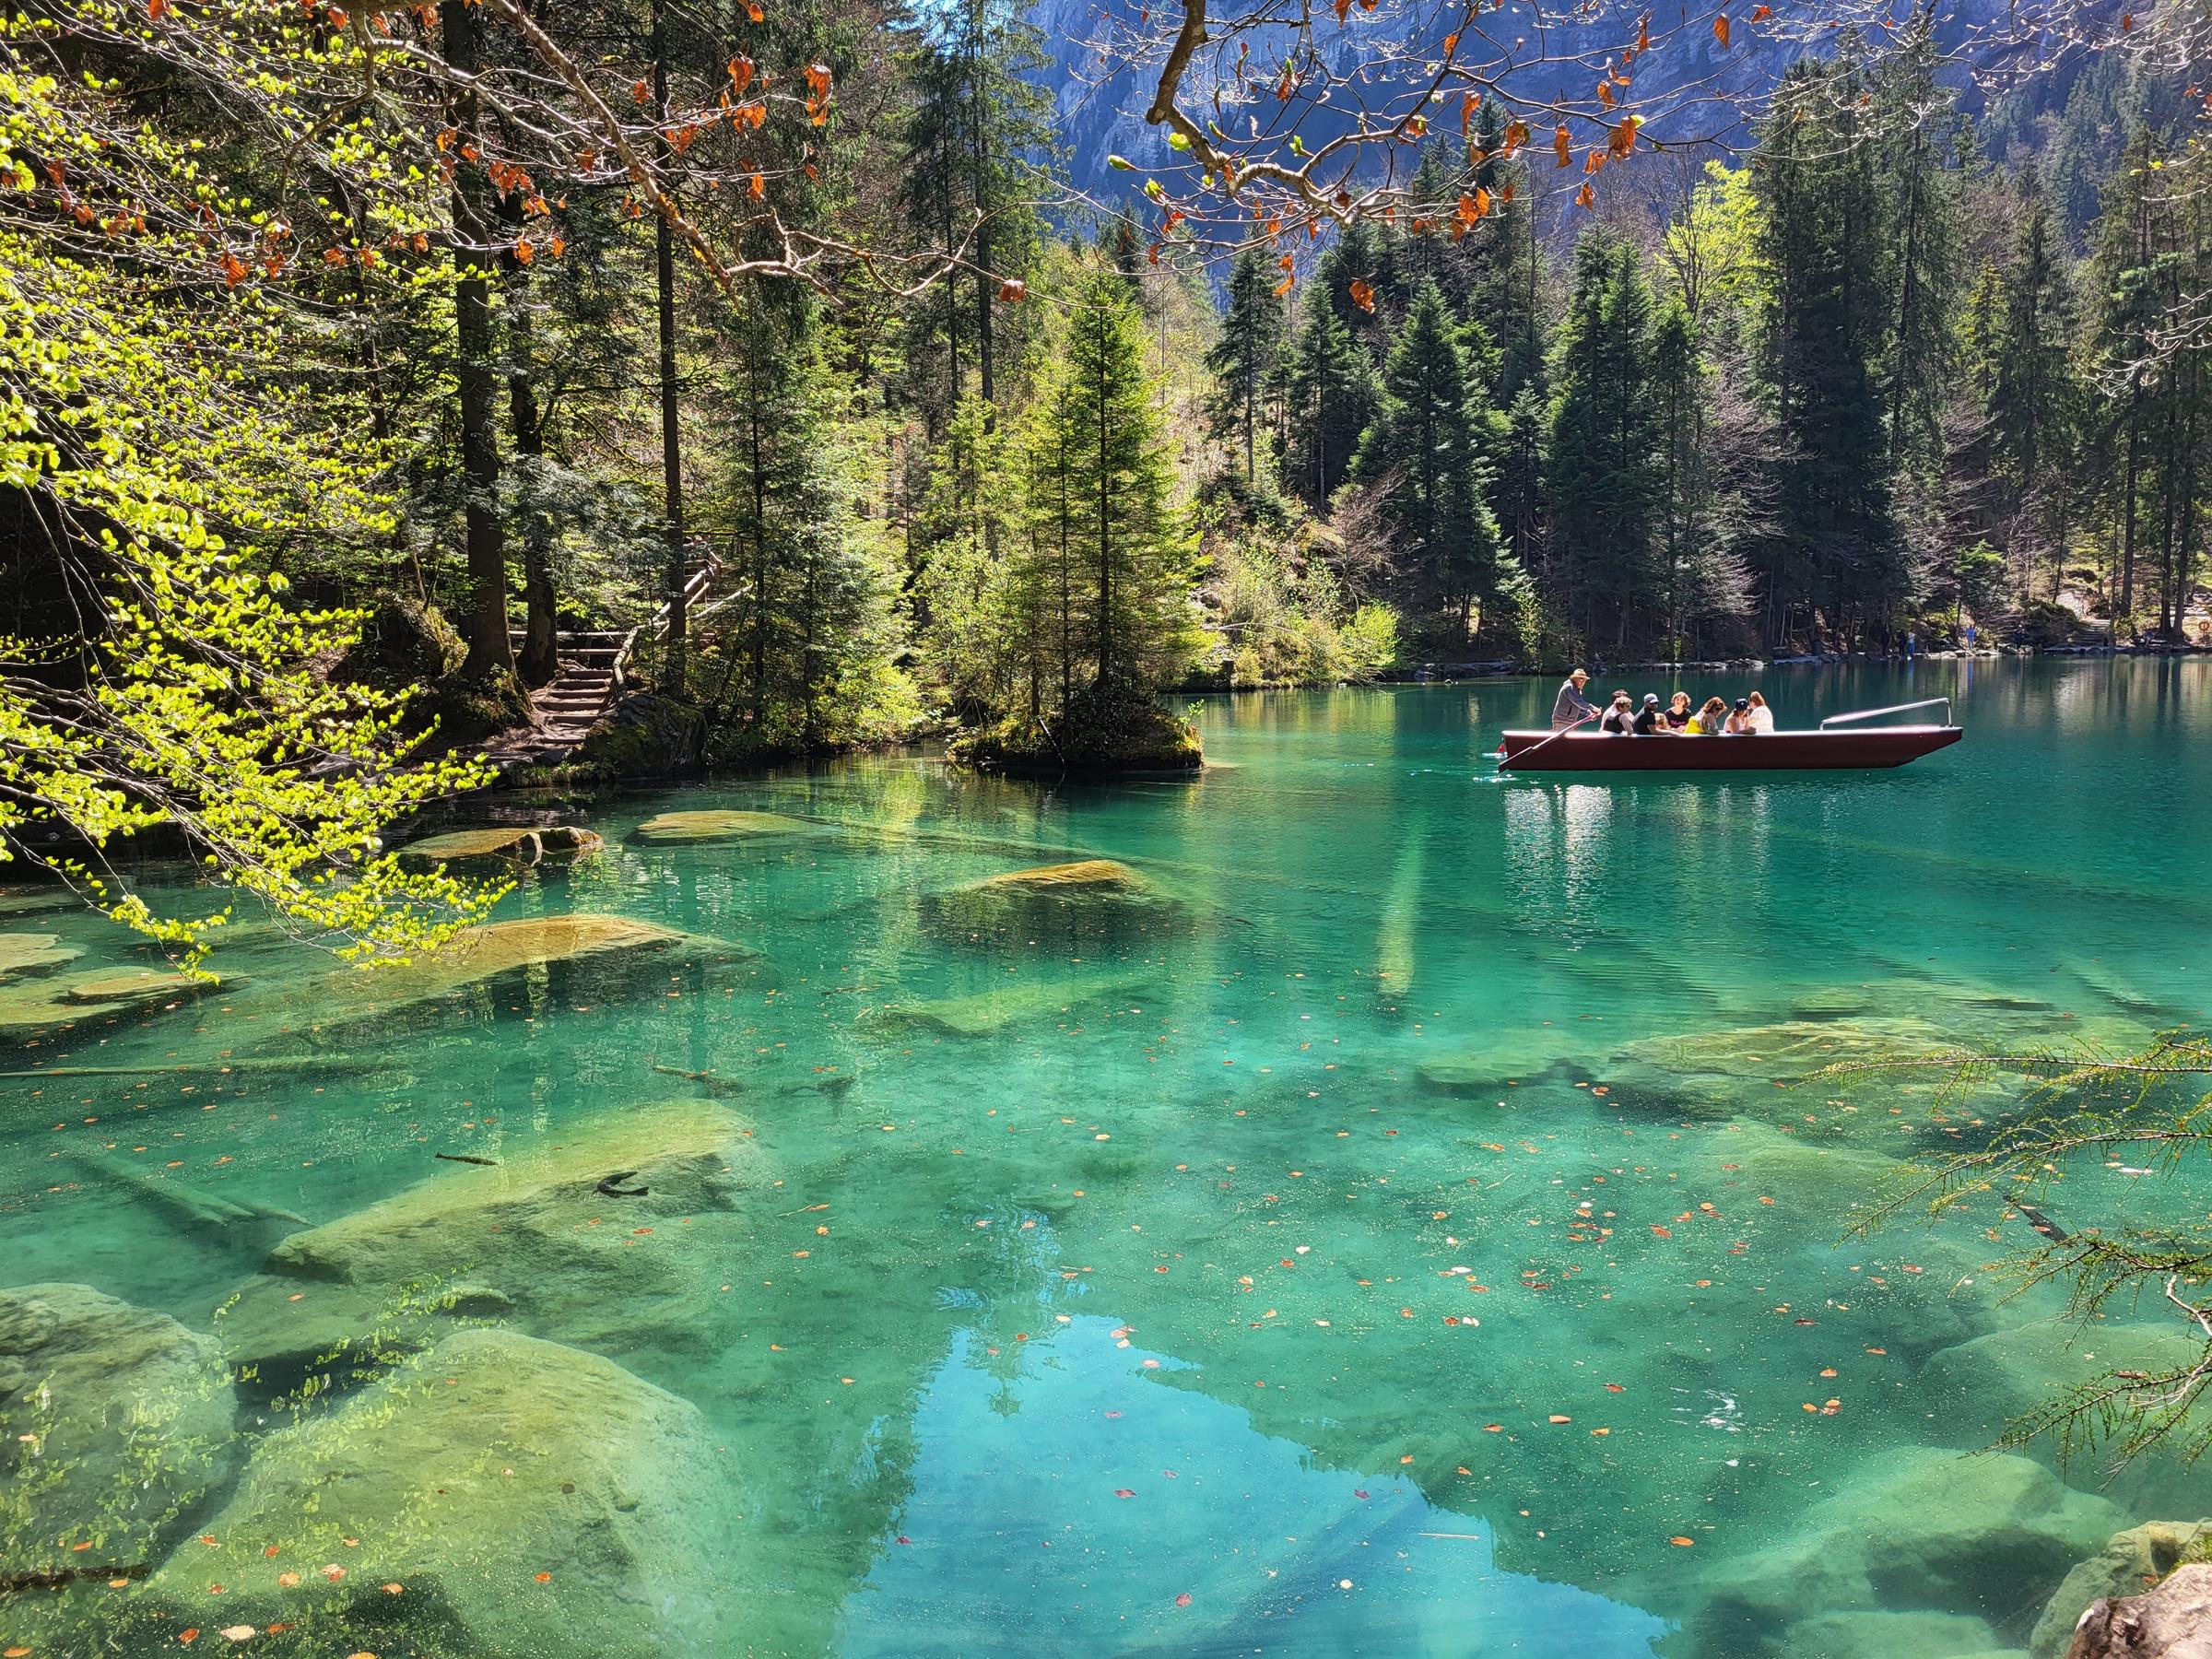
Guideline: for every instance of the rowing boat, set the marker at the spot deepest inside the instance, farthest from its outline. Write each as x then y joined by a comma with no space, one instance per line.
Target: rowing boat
1829,748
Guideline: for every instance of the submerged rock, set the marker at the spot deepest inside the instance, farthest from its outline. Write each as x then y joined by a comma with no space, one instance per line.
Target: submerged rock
33,952
1915,1529
1511,1056
2130,1563
533,1236
1085,876
114,1422
1092,908
502,1496
522,844
1890,1636
1977,1390
2173,1621
716,825
1017,1002
58,997
481,954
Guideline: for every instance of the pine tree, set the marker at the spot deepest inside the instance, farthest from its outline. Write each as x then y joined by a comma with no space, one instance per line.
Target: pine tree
1839,559
2032,404
1702,576
1603,485
1247,359
1424,454
1332,395
1915,118
1106,432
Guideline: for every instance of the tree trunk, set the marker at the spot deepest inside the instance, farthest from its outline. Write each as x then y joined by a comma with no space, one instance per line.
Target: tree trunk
672,452
540,659
490,651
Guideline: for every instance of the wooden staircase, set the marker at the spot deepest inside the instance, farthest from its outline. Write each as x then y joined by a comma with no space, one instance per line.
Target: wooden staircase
593,673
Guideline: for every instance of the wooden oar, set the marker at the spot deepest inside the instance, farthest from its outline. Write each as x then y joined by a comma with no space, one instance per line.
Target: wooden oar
1505,765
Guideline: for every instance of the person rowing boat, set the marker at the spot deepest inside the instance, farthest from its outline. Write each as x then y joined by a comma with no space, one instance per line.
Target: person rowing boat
1570,706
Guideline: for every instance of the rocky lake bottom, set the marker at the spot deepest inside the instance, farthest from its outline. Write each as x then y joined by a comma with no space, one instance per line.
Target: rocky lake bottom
1343,1204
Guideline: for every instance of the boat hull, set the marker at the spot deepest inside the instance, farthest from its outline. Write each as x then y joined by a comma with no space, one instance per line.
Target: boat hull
1777,751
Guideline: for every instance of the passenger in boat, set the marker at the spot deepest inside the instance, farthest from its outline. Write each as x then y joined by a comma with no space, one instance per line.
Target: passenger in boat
1620,717
1651,719
1738,724
1762,717
1677,714
1570,705
1707,721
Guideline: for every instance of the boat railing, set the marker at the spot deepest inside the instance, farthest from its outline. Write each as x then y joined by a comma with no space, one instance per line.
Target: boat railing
1925,702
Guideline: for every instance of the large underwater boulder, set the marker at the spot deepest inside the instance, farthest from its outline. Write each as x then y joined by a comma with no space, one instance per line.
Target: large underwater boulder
114,1422
1914,1529
713,825
498,1497
519,844
534,1238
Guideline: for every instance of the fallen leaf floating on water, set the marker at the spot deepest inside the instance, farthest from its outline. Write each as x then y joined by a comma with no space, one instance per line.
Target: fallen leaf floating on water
237,1632
545,1578
1680,1542
1183,1600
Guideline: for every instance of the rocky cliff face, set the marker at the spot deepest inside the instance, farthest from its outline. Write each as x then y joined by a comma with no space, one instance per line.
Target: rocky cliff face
1689,87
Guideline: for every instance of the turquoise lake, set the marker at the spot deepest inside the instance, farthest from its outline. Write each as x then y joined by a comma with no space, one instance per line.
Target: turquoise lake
1387,1215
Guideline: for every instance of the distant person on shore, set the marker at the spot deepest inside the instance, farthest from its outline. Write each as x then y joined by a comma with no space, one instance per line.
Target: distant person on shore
1651,719
1570,705
1762,717
1620,717
1707,721
1738,724
1678,712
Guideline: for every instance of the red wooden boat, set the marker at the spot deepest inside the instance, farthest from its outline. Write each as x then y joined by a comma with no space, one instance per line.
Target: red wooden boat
1827,750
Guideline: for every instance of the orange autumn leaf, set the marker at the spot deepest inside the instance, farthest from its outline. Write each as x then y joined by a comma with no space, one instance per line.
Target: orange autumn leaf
1680,1542
741,73
641,91
1643,33
560,246
524,251
1014,291
1720,29
288,1580
1556,1418
189,1636
1604,93
545,1578
17,1652
1563,145
1363,294
755,187
1585,198
1281,288
752,10
1516,135
1760,14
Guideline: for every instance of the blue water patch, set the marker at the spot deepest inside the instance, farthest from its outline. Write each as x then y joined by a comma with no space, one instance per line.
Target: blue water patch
1070,1498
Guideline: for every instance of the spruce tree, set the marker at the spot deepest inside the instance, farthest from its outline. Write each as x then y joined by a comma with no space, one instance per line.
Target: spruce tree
1247,359
1424,454
2032,404
1332,395
1106,429
1839,559
1601,482
1915,118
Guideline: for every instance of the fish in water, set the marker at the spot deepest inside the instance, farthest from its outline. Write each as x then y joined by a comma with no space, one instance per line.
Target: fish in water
612,1186
489,1163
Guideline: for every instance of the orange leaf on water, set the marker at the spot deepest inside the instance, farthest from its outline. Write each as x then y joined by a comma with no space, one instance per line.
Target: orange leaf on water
1680,1542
